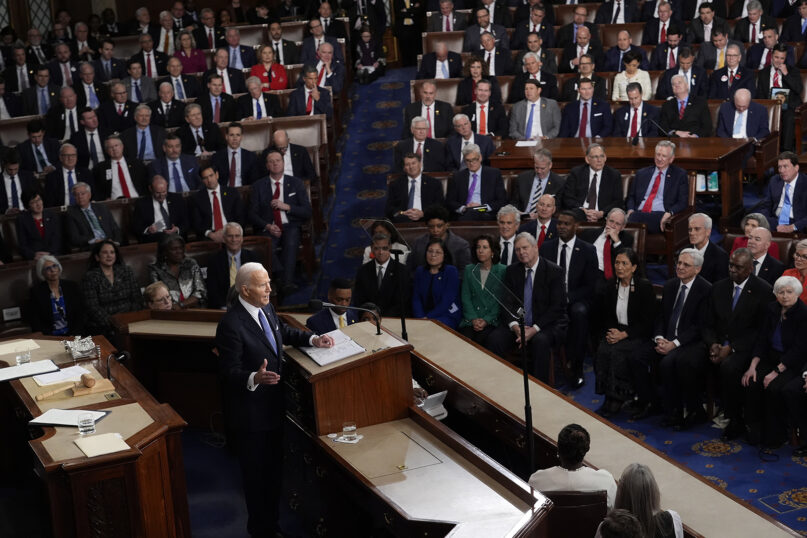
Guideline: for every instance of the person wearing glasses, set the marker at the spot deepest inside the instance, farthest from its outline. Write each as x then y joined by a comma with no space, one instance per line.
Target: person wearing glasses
55,306
158,297
180,273
799,271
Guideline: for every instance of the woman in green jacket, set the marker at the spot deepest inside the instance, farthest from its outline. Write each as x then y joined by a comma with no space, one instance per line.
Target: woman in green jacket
481,283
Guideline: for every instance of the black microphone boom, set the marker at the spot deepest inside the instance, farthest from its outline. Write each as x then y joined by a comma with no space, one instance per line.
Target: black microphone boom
316,305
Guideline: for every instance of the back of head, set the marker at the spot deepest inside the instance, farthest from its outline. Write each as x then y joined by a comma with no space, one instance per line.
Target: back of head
621,524
638,493
573,445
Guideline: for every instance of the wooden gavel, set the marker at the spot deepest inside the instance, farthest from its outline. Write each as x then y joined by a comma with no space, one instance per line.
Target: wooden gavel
87,380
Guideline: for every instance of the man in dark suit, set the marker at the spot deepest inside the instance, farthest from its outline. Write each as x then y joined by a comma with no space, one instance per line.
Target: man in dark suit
694,76
685,115
83,47
499,12
537,44
793,29
185,87
213,206
508,219
749,29
15,183
532,184
535,23
310,99
39,154
308,50
690,9
383,281
431,151
541,224
573,53
232,79
286,52
637,118
472,42
224,265
760,54
497,58
335,317
779,75
167,111
726,81
107,67
665,55
715,265
617,12
533,70
39,98
181,18
60,182
20,73
592,189
37,52
650,10
217,107
544,300
477,192
651,203
741,114
570,33
712,55
153,61
578,261
487,118
330,73
463,136
257,104
612,60
88,222
119,177
240,56
588,117
236,166
159,213
281,216
441,63
330,25
181,171
250,340
61,121
608,240
734,316
62,66
89,140
657,28
785,198
207,35
766,267
11,106
145,140
437,113
570,92
446,20
117,114
706,16
412,192
198,137
295,157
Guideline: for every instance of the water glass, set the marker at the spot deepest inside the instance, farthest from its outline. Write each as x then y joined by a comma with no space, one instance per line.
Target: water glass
349,432
86,424
23,356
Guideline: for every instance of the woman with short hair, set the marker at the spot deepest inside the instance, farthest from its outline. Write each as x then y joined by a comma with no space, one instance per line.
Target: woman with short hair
55,304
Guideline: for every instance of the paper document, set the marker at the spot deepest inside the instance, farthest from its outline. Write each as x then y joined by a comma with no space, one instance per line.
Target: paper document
526,143
105,443
65,417
343,347
73,373
18,345
26,370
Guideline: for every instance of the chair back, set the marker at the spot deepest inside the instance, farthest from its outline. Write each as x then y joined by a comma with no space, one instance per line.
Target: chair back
576,513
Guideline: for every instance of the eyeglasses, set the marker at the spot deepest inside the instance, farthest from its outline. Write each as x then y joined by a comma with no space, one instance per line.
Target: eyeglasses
800,256
162,300
53,267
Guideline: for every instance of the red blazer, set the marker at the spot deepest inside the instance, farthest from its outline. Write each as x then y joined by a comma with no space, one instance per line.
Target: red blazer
280,80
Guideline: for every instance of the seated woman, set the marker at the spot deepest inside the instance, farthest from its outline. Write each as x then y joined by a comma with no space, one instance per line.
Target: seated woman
437,286
632,73
193,60
627,314
475,71
396,243
272,74
39,232
799,271
748,223
109,287
158,297
780,356
180,273
481,282
55,304
370,59
571,475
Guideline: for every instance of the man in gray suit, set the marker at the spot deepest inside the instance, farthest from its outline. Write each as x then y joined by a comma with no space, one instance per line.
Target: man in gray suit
713,55
532,184
535,117
446,20
140,88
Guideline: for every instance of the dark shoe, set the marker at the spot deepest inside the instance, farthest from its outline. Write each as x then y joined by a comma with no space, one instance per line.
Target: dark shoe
673,420
800,452
576,383
693,419
733,431
607,408
646,410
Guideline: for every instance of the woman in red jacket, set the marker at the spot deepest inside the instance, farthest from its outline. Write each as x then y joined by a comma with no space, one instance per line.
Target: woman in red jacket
273,75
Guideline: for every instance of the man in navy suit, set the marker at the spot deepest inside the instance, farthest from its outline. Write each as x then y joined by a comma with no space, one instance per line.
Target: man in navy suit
232,79
593,189
477,192
569,34
760,54
107,67
617,12
236,166
412,192
278,207
431,151
694,76
533,70
542,225
310,99
608,240
250,339
224,265
62,64
766,266
308,50
154,62
573,52
588,117
657,28
462,136
785,199
658,192
665,55
159,213
715,264
335,317
544,300
685,115
650,10
578,261
185,87
60,182
726,81
793,29
257,104
637,118
494,115
181,171
446,20
215,98
241,56
89,140
437,113
536,24
167,111
532,184
742,118
15,182
118,176
89,222
497,58
384,281
295,157
39,154
199,138
624,44
441,63
330,73
471,41
214,206
117,114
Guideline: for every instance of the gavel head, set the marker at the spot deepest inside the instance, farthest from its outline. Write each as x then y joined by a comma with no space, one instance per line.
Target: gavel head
88,380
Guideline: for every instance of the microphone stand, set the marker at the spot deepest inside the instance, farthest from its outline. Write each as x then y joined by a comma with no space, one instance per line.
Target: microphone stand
317,305
402,301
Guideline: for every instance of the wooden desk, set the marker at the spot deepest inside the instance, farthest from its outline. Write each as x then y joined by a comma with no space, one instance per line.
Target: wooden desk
722,154
137,492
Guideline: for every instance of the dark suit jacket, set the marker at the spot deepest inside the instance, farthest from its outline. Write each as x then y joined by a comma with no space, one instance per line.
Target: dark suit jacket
13,104
218,276
641,309
79,139
55,185
794,323
707,54
697,118
502,60
471,41
736,10
660,57
443,113
109,120
308,53
10,76
428,66
576,188
117,69
228,112
695,30
605,13
792,81
101,91
715,263
56,121
392,297
79,232
431,193
546,31
27,184
188,167
548,82
688,9
301,164
28,160
600,119
201,212
200,36
237,83
190,85
465,91
520,195
647,127
29,242
699,85
104,173
270,102
497,122
743,78
754,56
548,296
31,57
652,29
742,28
248,57
294,194
174,118
756,120
144,217
297,103
453,157
291,53
791,30
40,309
131,141
565,35
773,192
433,155
160,60
583,267
739,327
675,189
531,226
250,169
590,235
56,76
611,59
569,90
322,321
570,53
692,315
242,349
770,270
491,191
459,21
211,134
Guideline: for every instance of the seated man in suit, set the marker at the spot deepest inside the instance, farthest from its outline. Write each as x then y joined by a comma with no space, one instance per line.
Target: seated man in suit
232,79
531,185
742,118
166,111
463,136
61,121
60,182
536,24
207,35
437,224
89,222
214,206
441,63
181,171
637,118
185,86
498,58
573,52
279,207
334,317
153,61
62,69
569,92
138,87
536,44
766,267
311,44
715,265
656,29
533,70
330,72
241,56
760,54
538,284
726,81
199,138
40,97
785,198
617,12
119,177
446,20
472,40
542,225
587,118
160,213
508,219
793,29
431,151
144,141
310,98
89,91
624,44
438,114
704,26
695,77
569,34
224,265
592,189
779,75
535,117
38,154
665,55
685,115
749,29
217,106
89,139
15,183
19,73
296,159
712,54
477,192
578,261
236,165
257,104
117,114
608,240
412,192
658,192
286,51
383,281
487,118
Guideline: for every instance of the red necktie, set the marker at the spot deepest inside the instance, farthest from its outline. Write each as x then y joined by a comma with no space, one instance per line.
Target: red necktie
542,235
67,79
754,34
681,110
648,205
583,121
217,111
672,59
232,170
148,64
429,120
634,124
276,212
606,259
663,38
218,221
418,151
309,105
776,79
483,124
225,81
210,44
321,74
731,77
448,24
122,179
120,110
767,57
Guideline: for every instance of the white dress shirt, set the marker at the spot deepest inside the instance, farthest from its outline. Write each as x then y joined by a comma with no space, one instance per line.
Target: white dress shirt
210,192
7,179
275,184
117,190
158,216
591,173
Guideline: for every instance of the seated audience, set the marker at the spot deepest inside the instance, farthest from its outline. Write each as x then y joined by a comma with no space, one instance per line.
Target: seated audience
436,286
238,166
535,117
615,55
532,184
541,224
410,193
214,206
39,232
437,224
632,73
649,203
38,153
481,285
330,71
119,176
741,117
334,317
224,265
476,192
508,219
488,118
666,55
89,223
382,280
799,271
589,117
440,63
15,183
462,136
533,69
166,111
232,79
181,170
593,189
60,182
157,296
636,118
748,223
780,74
573,52
685,115
638,493
144,141
695,76
179,272
431,151
310,98
726,81
766,267
535,44
438,114
56,306
387,228
715,264
569,91
257,104
271,74
185,86
608,240
785,197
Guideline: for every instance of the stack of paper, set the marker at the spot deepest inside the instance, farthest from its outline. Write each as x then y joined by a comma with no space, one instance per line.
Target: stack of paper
73,373
26,370
65,417
98,445
343,347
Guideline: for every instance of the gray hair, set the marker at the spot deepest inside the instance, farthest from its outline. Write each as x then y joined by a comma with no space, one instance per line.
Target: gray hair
459,117
191,107
707,220
762,220
735,47
143,106
233,224
66,145
82,65
754,4
594,146
471,148
243,274
509,209
542,153
801,245
141,10
682,77
253,80
531,239
666,144
695,254
83,185
788,282
417,119
617,210
530,55
40,265
166,84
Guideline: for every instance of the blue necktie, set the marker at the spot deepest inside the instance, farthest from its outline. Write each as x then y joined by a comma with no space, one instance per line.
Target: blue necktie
444,69
71,123
142,152
137,92
411,203
803,25
258,109
177,179
528,298
70,184
93,98
784,215
107,70
93,151
43,101
180,93
528,131
676,313
267,331
15,199
737,291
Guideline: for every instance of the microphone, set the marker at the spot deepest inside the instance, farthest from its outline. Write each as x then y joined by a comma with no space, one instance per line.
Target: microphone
659,127
397,251
635,140
119,357
316,305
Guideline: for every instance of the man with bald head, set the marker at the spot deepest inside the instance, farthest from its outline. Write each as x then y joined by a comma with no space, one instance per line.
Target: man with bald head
742,118
438,114
570,60
624,44
330,72
766,267
726,81
61,121
685,115
441,63
570,33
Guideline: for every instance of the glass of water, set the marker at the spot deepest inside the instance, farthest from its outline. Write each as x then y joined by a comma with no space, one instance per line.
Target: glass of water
86,424
349,432
23,356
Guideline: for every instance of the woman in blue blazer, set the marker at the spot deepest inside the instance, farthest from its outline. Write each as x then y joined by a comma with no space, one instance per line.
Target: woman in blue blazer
480,284
437,286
